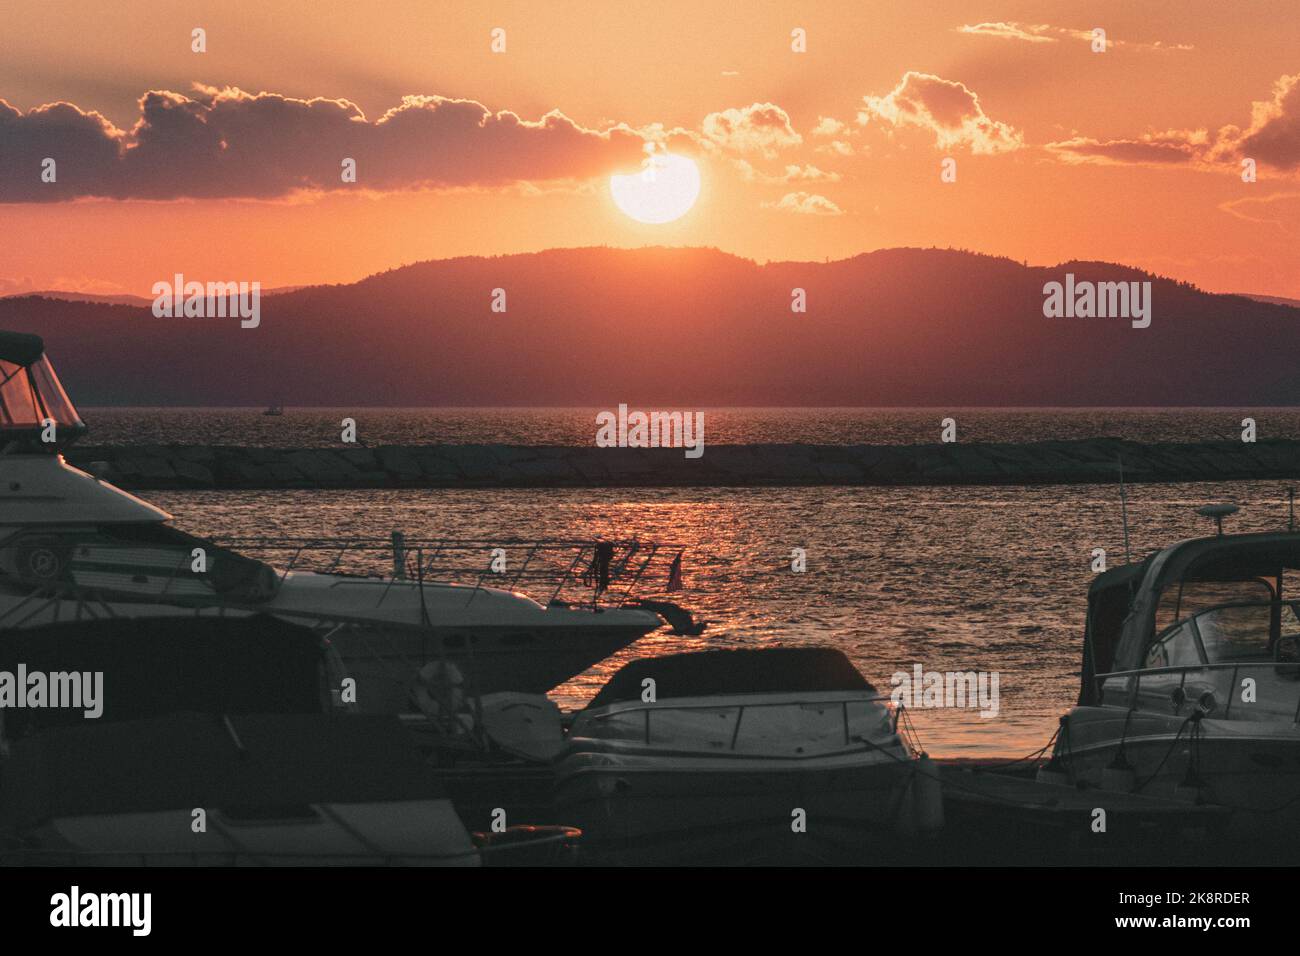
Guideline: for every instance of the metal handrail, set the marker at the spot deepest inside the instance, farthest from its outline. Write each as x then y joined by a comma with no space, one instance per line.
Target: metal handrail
1184,669
1176,668
299,552
519,571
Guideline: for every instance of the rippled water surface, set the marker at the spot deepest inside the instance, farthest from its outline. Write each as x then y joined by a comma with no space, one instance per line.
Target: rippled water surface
985,579
306,427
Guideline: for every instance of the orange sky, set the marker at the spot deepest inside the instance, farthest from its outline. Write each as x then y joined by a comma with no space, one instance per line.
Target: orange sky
1145,167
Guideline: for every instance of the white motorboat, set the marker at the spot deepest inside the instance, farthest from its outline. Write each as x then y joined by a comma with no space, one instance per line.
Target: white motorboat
742,756
1191,680
73,546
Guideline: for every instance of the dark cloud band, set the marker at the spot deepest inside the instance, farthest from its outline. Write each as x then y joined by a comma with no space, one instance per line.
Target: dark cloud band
231,144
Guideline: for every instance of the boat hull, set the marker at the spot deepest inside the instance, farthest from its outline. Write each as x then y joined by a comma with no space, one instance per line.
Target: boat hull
649,810
1251,767
384,654
397,833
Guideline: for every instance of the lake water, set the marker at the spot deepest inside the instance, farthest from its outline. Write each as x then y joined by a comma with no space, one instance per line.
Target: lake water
977,578
308,427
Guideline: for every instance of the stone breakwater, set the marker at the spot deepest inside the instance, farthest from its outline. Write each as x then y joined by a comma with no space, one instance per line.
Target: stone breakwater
519,466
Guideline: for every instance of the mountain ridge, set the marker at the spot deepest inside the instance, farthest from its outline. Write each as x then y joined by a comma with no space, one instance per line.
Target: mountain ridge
683,326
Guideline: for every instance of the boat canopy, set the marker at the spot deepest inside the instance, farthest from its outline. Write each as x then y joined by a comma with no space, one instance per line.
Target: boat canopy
30,393
153,666
1192,576
252,766
1110,598
747,671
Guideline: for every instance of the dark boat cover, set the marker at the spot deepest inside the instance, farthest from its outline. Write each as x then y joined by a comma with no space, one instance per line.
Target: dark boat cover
21,348
747,671
1110,599
156,666
258,766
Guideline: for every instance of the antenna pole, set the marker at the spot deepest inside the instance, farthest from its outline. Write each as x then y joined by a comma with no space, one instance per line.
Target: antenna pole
1123,505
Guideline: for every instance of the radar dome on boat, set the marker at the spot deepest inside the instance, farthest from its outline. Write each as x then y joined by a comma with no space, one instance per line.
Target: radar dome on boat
1217,511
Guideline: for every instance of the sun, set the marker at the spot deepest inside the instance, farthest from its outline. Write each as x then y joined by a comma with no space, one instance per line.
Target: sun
664,190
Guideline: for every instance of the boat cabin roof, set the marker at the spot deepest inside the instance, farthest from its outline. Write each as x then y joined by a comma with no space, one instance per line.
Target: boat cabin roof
741,671
21,348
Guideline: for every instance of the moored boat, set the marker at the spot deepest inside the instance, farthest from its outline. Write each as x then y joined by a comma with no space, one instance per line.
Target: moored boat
1191,681
217,742
73,546
773,755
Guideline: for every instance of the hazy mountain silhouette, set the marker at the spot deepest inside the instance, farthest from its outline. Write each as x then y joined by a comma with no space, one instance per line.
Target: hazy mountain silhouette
1275,299
121,299
682,328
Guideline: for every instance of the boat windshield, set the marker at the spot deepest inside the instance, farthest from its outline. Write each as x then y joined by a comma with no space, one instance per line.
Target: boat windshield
1233,633
792,727
31,396
1184,599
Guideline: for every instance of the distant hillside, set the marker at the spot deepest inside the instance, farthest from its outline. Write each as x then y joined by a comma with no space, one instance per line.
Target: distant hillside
135,300
1274,299
683,328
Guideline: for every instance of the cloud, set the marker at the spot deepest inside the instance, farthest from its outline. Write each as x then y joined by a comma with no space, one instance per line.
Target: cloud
226,143
809,204
946,108
791,173
830,126
1276,209
1010,31
1272,139
835,147
1044,33
1273,136
1151,149
761,128
808,173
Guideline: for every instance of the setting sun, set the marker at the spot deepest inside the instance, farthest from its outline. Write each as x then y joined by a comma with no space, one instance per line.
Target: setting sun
664,190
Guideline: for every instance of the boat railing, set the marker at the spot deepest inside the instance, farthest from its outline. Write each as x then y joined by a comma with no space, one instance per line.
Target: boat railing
1133,691
841,702
551,570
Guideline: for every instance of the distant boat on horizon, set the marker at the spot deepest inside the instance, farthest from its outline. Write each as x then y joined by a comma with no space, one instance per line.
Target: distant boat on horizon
274,409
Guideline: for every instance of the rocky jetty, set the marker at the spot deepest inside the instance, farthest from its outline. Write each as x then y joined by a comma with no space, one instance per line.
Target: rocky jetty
518,466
